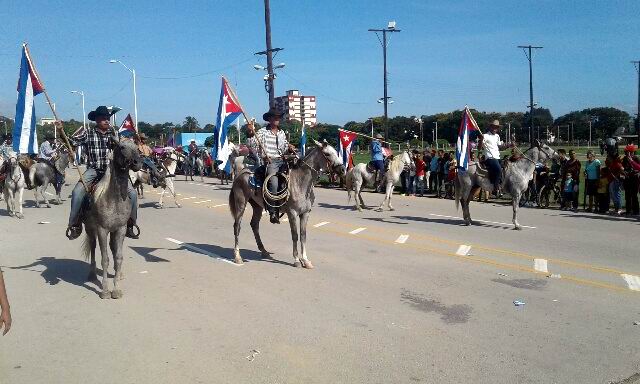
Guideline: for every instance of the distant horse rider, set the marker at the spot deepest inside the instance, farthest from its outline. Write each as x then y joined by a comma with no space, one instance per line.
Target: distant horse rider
272,143
146,152
492,145
193,153
377,157
46,155
97,142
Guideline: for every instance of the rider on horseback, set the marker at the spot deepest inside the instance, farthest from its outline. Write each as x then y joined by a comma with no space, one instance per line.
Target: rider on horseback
271,143
46,155
377,159
146,152
492,145
97,141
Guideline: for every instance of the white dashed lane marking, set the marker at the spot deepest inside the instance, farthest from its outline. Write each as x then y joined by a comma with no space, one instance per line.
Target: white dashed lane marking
633,281
218,205
463,250
357,230
481,221
202,201
320,224
540,265
202,251
189,198
402,239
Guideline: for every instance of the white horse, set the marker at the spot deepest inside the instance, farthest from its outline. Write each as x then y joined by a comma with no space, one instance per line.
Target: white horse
358,177
14,184
169,163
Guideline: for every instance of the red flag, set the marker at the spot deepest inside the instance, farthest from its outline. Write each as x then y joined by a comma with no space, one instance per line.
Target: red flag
127,128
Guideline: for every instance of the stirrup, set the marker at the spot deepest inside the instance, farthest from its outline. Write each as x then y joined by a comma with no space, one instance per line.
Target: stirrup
133,228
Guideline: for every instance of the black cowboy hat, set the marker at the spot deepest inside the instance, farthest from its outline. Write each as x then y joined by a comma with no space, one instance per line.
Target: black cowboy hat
100,111
48,136
271,113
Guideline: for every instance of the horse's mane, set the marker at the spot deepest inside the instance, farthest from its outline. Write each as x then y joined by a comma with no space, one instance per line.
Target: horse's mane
103,184
306,157
397,164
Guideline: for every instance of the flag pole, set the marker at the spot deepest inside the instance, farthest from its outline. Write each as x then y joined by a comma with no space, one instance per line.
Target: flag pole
57,123
363,135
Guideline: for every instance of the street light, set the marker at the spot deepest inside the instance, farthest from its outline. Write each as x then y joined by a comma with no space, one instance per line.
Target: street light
84,115
135,96
381,100
420,121
267,78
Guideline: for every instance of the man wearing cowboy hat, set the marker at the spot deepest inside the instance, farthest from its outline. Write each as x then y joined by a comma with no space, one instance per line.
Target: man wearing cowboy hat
97,142
492,145
377,157
145,152
270,143
47,147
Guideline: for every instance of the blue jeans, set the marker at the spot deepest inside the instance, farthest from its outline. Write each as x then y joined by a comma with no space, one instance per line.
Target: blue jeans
495,171
409,183
615,192
79,193
272,168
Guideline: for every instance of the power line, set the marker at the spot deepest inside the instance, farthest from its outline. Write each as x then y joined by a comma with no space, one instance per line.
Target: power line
219,70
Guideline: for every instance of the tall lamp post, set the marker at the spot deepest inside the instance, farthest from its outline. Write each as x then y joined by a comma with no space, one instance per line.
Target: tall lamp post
420,121
135,95
391,27
84,115
527,51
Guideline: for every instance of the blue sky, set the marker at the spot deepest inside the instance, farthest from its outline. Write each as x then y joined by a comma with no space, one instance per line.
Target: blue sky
449,53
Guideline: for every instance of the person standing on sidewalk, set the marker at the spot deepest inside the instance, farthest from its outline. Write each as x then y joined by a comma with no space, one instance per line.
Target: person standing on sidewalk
592,175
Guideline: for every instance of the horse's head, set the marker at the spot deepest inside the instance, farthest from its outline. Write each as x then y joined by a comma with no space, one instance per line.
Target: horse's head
331,156
126,156
406,158
545,152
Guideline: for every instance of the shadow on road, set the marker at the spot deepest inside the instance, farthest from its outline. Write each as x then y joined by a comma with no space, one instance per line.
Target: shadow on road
335,206
56,270
599,217
248,255
383,220
148,257
456,222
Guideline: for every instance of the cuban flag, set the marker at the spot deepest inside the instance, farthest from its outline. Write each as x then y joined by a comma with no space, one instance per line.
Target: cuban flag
347,139
25,139
463,145
228,111
127,128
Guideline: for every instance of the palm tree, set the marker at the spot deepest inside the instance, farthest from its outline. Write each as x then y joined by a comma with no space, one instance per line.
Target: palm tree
191,122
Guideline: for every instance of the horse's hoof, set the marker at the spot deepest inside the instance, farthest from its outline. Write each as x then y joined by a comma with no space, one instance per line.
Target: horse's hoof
48,206
467,223
179,206
297,264
11,214
238,260
307,264
392,209
19,215
359,209
92,276
105,295
116,294
378,209
517,228
265,255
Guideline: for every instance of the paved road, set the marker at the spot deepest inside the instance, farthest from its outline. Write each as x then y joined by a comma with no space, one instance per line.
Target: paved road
407,296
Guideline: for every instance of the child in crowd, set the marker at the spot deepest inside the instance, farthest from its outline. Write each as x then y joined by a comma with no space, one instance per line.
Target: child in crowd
603,190
568,192
420,174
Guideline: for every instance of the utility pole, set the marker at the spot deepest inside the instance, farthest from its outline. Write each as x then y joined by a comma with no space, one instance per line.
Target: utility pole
390,29
636,64
268,83
527,52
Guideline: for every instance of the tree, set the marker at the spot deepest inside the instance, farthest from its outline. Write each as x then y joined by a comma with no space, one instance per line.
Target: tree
605,122
191,124
541,120
210,141
209,127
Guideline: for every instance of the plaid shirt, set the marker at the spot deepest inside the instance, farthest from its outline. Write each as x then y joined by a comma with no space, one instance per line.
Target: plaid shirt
97,146
274,144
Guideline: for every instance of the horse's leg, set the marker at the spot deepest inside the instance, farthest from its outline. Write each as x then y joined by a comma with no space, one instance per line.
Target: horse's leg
515,200
390,187
35,195
304,218
104,252
172,189
19,215
239,205
160,204
358,199
43,190
255,227
116,240
9,196
91,239
294,223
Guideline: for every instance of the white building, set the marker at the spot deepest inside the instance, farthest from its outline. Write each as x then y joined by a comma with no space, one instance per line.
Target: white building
295,106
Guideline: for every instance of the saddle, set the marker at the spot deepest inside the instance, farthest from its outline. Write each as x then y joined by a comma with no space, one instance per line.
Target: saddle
370,167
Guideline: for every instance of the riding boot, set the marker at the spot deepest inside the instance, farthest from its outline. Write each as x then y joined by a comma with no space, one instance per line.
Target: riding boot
131,230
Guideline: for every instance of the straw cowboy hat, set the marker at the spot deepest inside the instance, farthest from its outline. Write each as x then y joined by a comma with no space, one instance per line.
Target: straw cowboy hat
142,136
495,123
378,136
100,111
271,113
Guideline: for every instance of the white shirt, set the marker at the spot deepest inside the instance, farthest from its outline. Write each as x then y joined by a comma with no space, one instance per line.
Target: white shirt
491,143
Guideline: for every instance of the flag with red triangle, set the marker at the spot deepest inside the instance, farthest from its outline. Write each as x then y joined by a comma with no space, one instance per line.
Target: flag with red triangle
127,128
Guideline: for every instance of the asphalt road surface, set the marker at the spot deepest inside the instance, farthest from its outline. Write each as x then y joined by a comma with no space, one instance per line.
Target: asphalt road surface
408,296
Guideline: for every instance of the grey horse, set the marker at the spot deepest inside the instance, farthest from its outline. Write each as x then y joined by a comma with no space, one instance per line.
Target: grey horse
14,184
302,178
358,177
106,220
515,180
43,174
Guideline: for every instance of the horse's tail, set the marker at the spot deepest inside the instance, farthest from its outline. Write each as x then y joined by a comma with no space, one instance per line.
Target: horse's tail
348,184
86,247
